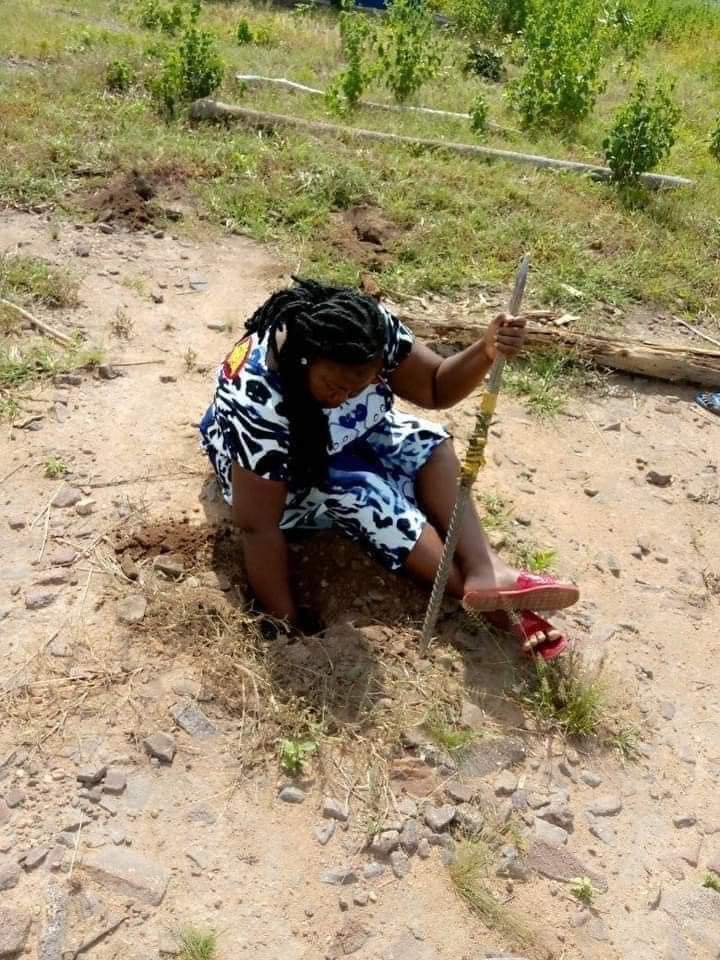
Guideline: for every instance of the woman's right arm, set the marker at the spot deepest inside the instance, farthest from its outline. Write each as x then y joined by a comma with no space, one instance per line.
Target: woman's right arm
258,507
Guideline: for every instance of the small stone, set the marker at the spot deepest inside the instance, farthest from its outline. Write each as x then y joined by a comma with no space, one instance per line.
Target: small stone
157,296
56,857
400,863
361,898
410,837
459,792
591,491
14,798
653,900
691,853
343,903
167,378
128,874
384,843
607,805
598,929
339,876
9,875
39,599
132,609
590,779
106,371
424,849
661,558
193,721
684,820
658,479
85,507
17,523
332,810
14,930
115,783
325,832
63,557
67,497
291,794
129,567
216,325
34,857
549,833
172,567
106,228
613,566
469,818
506,784
198,282
161,746
511,864
472,716
559,814
53,578
82,250
407,807
91,775
439,818
603,833
373,870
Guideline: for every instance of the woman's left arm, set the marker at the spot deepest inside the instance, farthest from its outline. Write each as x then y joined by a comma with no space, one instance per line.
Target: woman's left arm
429,381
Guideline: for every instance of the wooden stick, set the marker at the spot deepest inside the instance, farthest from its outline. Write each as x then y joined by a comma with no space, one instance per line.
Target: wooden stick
13,472
390,107
40,324
216,110
698,333
661,361
133,363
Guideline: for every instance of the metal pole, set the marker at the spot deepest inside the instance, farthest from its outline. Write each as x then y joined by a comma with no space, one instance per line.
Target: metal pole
474,459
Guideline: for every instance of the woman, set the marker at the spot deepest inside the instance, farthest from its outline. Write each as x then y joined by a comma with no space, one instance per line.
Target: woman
302,433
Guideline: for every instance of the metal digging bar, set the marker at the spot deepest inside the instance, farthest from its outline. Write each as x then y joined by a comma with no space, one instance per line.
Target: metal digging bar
474,459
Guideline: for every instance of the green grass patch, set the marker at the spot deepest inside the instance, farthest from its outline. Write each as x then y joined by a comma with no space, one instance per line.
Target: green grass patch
712,882
564,695
446,734
55,468
196,944
19,366
545,381
33,280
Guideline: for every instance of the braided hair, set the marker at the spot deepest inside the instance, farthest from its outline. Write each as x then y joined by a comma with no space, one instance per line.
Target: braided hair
335,323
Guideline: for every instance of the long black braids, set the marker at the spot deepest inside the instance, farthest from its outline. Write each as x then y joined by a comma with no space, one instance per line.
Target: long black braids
318,321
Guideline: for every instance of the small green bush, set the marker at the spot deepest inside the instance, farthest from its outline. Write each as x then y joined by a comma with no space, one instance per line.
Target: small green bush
357,35
479,115
408,49
486,63
563,53
167,17
643,133
190,70
715,141
119,76
243,34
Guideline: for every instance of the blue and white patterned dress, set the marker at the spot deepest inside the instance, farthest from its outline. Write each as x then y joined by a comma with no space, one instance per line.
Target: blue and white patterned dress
375,452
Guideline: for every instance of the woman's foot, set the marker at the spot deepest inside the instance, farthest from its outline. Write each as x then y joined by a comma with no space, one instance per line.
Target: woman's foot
538,637
519,591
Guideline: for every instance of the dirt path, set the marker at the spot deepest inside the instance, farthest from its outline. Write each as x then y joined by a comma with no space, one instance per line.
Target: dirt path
81,688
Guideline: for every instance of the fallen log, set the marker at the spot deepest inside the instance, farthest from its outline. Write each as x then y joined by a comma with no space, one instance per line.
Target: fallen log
216,110
660,361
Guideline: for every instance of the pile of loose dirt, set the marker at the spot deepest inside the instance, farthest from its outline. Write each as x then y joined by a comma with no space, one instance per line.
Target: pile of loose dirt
132,200
364,234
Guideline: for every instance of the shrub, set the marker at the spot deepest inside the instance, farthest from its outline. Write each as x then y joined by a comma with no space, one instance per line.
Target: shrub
479,115
642,134
486,63
243,34
477,18
168,17
407,47
356,37
715,141
563,48
119,76
191,70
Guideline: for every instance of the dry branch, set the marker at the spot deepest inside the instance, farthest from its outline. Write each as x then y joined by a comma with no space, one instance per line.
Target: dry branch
216,110
39,324
661,361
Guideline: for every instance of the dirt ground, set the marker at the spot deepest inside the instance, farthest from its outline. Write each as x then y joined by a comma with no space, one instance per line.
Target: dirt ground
81,688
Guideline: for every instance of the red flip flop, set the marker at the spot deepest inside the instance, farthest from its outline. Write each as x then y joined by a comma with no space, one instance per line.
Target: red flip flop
522,626
539,591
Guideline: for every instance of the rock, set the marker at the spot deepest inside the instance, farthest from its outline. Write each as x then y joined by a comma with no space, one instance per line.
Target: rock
53,578
607,805
691,853
14,798
490,755
157,296
407,807
39,599
172,567
459,792
548,833
473,717
658,479
325,832
91,775
193,721
439,818
132,609
129,567
162,746
410,837
9,875
557,863
384,843
167,378
413,777
82,250
506,784
198,282
613,566
683,820
34,857
559,814
400,863
373,870
469,818
332,810
63,557
17,523
523,520
511,864
339,876
424,849
115,783
598,929
128,874
67,497
290,794
603,833
361,898
667,710
14,930
590,779
653,900
351,937
84,507
591,491
56,858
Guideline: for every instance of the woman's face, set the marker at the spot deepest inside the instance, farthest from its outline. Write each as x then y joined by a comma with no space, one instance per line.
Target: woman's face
331,384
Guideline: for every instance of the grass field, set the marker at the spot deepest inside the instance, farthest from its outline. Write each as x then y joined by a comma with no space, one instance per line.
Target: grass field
461,221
